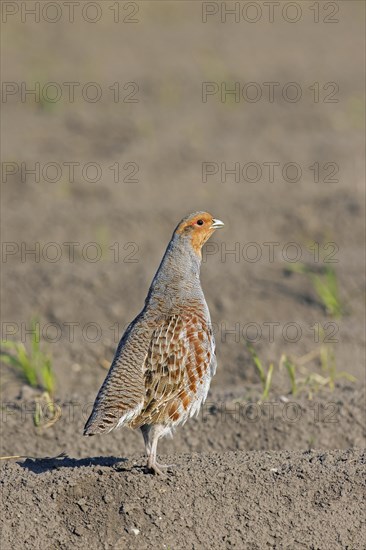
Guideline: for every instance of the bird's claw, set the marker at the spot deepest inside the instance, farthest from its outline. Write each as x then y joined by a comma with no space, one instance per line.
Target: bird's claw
157,468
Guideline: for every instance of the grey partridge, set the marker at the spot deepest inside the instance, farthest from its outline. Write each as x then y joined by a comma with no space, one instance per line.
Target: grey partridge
164,363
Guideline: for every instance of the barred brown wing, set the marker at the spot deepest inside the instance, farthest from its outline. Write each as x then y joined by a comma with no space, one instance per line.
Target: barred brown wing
179,365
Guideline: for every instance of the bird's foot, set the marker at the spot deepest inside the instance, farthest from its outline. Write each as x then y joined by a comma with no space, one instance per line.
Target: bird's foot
157,468
165,466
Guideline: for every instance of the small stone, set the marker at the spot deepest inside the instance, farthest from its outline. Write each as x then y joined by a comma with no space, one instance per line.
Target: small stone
134,531
82,505
77,532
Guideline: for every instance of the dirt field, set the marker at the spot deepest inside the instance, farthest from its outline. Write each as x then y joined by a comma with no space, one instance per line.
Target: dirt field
95,189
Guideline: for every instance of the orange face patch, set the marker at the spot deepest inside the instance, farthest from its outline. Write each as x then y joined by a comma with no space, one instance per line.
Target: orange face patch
199,227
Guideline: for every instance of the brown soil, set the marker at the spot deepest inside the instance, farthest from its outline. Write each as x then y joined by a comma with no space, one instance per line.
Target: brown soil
247,475
231,499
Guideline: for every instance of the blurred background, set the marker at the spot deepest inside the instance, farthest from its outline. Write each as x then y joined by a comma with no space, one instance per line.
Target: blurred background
119,118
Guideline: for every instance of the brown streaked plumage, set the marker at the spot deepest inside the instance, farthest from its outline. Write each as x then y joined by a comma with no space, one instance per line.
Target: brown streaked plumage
162,369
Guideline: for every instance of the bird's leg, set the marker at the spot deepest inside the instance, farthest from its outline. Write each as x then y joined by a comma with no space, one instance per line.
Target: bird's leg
151,461
145,429
150,446
156,432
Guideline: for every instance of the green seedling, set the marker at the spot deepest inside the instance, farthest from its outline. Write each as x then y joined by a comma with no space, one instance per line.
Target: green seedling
36,369
329,367
34,365
265,377
46,412
20,360
268,382
325,285
311,381
47,376
291,371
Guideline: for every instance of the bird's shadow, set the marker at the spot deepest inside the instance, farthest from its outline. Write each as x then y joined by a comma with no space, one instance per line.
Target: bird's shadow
46,464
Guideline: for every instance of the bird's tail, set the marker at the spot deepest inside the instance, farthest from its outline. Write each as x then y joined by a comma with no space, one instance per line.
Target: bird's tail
103,420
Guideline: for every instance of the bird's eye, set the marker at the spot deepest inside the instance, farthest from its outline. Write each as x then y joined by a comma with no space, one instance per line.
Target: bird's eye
200,222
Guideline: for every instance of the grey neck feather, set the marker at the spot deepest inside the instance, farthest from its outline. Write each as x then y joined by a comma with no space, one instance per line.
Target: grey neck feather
178,273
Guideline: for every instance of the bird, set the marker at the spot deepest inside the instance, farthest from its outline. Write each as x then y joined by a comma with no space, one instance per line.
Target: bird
163,366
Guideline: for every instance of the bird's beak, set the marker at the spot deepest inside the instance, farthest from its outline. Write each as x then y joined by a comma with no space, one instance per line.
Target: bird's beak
216,224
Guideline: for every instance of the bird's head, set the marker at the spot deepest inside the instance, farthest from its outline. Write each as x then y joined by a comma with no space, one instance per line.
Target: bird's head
197,228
